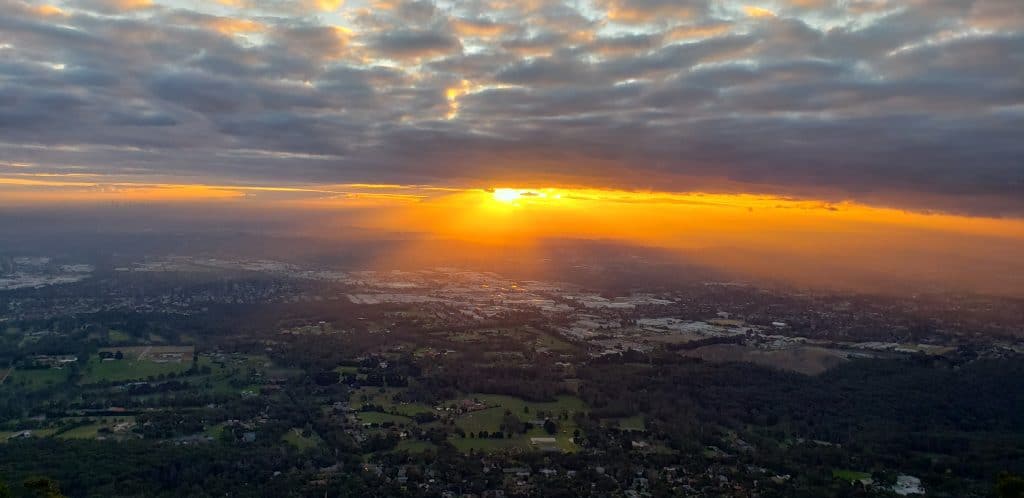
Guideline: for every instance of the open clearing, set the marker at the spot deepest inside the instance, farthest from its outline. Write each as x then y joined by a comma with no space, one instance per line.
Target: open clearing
37,379
490,419
383,418
123,370
850,475
385,397
634,423
139,363
159,354
295,438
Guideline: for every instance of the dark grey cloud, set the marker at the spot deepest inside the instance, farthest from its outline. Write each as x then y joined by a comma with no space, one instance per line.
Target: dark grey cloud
120,118
909,101
546,71
200,92
411,44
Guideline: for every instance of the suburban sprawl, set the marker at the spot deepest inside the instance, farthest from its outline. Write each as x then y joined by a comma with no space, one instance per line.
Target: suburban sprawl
217,376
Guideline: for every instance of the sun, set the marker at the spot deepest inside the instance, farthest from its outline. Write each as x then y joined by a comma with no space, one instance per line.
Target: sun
520,197
506,194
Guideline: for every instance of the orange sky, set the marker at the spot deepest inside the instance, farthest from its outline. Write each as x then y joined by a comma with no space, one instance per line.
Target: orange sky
511,215
802,237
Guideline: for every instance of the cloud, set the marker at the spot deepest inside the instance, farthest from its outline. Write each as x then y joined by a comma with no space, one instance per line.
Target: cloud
414,44
49,11
313,42
997,14
478,28
115,6
285,6
221,24
643,11
545,71
757,12
915,103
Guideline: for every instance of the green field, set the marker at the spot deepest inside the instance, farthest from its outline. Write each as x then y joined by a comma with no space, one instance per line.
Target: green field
381,418
385,397
484,420
124,370
215,431
411,409
218,381
91,430
490,420
117,336
235,368
568,404
295,438
466,445
415,446
553,343
849,475
37,379
634,423
84,432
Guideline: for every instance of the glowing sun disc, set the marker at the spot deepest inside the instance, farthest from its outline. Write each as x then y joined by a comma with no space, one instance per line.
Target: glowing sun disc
506,194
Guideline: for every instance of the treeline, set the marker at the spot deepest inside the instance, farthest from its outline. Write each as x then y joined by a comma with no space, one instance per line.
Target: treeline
914,414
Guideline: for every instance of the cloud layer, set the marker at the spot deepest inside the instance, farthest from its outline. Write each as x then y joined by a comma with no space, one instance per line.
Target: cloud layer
913,102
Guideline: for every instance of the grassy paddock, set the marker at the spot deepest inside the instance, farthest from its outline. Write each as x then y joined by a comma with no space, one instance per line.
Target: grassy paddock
35,380
849,475
123,370
295,438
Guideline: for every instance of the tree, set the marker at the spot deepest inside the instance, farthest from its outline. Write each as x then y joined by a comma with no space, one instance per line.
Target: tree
550,427
511,423
43,487
1009,486
327,378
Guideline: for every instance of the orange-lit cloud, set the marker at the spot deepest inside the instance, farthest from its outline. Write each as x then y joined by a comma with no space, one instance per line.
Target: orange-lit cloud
757,12
48,10
687,32
230,26
123,5
809,4
452,94
478,29
329,5
303,5
635,12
